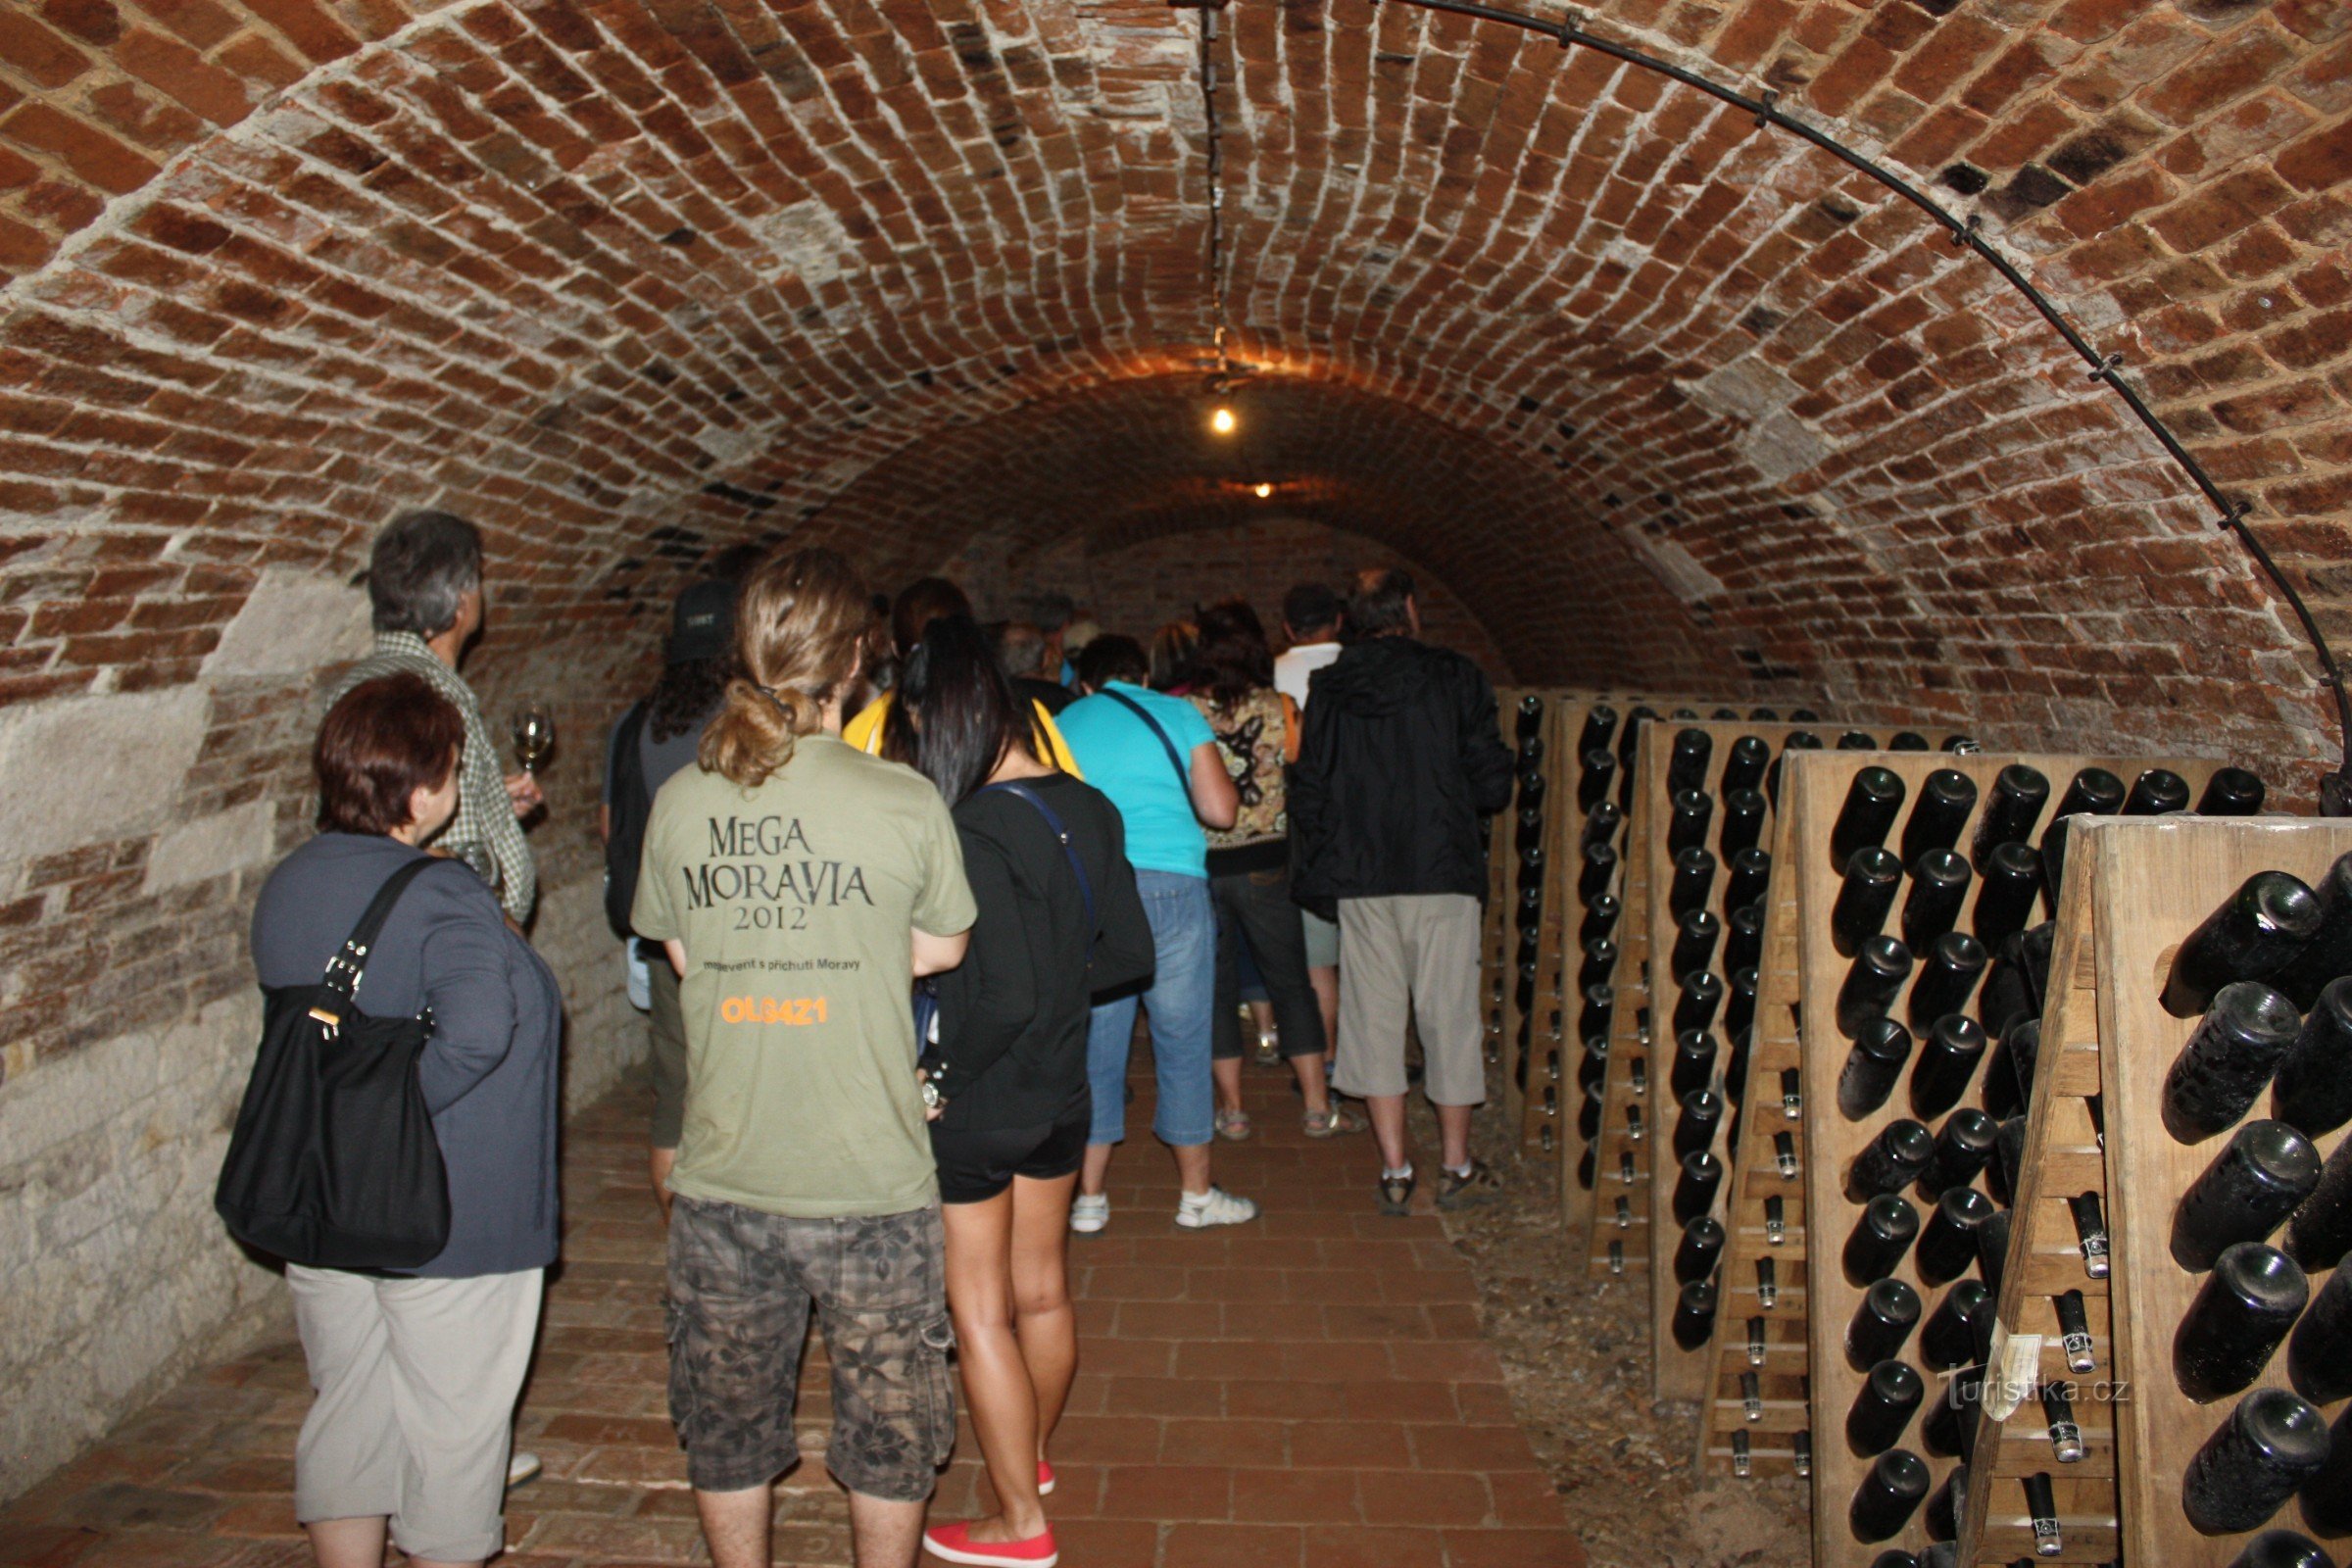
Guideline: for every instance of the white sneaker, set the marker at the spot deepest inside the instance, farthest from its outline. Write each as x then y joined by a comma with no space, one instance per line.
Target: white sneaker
521,1467
1089,1215
1216,1206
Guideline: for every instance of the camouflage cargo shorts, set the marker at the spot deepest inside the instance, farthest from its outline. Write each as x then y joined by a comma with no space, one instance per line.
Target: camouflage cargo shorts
742,1284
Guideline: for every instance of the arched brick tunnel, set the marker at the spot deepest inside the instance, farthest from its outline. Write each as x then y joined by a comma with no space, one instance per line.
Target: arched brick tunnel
1647,393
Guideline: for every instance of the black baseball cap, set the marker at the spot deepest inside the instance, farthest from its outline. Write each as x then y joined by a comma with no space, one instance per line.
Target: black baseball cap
703,625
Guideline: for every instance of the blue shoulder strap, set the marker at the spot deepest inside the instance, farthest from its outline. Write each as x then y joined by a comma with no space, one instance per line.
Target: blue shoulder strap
1184,775
1086,888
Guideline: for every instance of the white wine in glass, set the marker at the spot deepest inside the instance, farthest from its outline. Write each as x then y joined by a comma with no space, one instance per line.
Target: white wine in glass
534,736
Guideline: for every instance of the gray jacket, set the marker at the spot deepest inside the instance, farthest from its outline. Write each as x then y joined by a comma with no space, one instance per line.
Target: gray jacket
490,1070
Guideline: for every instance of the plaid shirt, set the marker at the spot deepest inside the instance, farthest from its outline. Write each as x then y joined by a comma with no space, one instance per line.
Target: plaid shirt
486,813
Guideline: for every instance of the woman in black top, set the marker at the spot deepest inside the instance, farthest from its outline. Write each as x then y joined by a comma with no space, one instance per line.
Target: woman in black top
1059,922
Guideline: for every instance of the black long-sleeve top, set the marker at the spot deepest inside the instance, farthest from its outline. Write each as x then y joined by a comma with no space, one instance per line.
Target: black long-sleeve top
1012,1016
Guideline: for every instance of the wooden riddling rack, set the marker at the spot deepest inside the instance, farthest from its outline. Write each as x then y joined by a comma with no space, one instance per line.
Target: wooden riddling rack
1499,942
1814,788
2135,889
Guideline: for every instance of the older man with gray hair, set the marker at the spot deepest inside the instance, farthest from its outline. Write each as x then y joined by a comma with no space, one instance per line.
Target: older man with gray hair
425,585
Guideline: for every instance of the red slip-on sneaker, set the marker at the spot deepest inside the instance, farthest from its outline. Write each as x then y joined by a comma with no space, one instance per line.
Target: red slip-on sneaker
955,1542
1045,1478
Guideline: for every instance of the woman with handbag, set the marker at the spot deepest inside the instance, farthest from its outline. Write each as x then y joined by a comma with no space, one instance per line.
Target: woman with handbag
1059,921
418,1371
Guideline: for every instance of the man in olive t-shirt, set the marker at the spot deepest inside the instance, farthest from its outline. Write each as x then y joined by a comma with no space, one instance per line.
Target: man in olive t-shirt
797,912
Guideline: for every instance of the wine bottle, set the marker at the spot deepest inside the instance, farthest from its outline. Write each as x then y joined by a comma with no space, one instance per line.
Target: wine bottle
2327,955
2252,935
1853,740
1599,870
1694,1321
1702,995
1871,802
1889,1397
1898,1484
2073,1332
2259,1176
1531,788
1743,764
2237,1046
1949,1426
1883,1320
2271,1444
1588,1114
1948,1054
2320,1233
2018,979
2041,1510
1805,716
1883,1233
2091,1232
1751,871
1947,977
1960,1333
1800,740
1743,937
2283,1548
2313,1091
1531,751
1792,1094
2319,1358
1962,1148
1688,814
1948,1243
1528,830
1695,1189
2230,792
2012,879
2095,791
1768,1286
1947,1510
2058,1416
1601,719
1696,936
1739,1006
1879,968
1601,962
1529,944
1941,810
1600,916
1702,1114
1784,1154
1701,1246
1525,991
1872,1067
2008,1158
1757,1346
1776,1220
1599,768
2012,807
2157,791
1588,1163
2240,1314
1939,887
1993,1248
1908,740
1865,894
1686,764
1742,822
1891,1161
1694,1065
1694,876
1594,1019
1531,869
1630,737
1602,824
1634,1127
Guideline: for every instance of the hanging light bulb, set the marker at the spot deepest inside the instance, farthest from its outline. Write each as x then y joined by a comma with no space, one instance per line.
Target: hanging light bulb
1222,420
1263,491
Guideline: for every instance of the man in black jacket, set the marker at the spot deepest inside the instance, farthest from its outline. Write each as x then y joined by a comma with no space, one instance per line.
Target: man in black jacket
1401,758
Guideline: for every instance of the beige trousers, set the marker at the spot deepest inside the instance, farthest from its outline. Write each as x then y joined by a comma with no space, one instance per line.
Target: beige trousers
1419,951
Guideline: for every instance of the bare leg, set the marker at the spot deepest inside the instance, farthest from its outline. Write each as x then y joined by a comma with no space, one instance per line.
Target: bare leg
996,1377
658,1162
1041,1296
1261,1013
1311,1086
738,1525
882,1534
1227,1071
1191,1169
1387,1126
1097,1169
348,1543
1326,980
1453,1132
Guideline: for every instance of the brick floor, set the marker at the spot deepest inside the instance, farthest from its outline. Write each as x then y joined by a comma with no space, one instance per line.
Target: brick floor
1310,1391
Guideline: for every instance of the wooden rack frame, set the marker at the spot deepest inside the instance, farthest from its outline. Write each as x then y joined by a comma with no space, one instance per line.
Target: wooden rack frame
2135,888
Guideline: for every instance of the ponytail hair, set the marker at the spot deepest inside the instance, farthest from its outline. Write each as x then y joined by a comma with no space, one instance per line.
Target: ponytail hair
797,633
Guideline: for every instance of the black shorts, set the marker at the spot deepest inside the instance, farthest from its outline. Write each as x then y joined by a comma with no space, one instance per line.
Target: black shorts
976,1165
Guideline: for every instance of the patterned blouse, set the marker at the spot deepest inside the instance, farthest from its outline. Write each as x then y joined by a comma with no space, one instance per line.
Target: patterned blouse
1250,737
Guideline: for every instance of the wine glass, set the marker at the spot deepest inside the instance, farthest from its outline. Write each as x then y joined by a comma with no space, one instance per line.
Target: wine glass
534,736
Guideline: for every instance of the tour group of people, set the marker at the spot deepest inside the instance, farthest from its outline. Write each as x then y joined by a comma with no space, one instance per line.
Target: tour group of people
894,885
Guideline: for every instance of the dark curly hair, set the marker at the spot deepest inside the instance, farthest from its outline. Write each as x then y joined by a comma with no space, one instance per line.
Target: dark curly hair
686,695
1232,660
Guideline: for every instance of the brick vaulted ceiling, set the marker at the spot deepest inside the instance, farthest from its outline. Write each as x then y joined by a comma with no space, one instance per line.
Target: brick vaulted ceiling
1664,397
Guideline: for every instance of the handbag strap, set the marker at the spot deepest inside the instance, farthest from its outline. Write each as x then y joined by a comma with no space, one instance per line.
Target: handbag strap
1184,775
349,966
1086,886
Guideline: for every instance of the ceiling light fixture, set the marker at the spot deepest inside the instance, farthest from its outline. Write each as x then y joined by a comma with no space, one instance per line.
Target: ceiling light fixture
1264,490
1223,421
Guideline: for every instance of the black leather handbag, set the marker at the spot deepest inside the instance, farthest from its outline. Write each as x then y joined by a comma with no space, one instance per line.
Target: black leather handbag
333,1162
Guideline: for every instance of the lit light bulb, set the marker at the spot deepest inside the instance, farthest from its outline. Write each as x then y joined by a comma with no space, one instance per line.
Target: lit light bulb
1222,421
1264,490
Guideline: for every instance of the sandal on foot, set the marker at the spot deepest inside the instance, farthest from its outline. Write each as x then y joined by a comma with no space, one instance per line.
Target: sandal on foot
1395,1195
1233,1125
1479,1184
1333,1122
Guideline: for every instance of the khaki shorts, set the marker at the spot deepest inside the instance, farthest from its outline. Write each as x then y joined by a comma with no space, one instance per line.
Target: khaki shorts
1322,940
742,1284
1417,950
